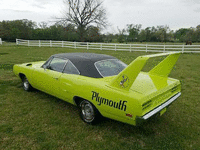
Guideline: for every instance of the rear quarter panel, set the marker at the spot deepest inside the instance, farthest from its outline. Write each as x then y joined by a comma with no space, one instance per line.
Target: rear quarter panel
111,102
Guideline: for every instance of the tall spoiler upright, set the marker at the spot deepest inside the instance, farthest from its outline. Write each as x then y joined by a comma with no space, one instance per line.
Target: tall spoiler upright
126,78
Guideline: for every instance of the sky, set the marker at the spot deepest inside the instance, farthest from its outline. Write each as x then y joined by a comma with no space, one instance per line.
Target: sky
174,13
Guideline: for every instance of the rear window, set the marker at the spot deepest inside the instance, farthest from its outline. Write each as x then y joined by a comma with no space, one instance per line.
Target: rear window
110,67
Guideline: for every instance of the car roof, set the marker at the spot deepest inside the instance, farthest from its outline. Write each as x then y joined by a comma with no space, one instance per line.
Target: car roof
84,62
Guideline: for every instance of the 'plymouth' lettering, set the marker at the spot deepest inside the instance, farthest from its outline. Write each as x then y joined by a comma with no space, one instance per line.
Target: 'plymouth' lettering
119,105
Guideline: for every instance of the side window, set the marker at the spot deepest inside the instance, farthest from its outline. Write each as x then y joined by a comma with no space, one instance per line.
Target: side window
70,68
57,64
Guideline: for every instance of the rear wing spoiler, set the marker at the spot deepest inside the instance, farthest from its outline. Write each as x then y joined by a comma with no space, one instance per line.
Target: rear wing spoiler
126,78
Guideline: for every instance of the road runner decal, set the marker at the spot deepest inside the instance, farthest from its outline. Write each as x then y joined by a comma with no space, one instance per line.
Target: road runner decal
124,82
119,105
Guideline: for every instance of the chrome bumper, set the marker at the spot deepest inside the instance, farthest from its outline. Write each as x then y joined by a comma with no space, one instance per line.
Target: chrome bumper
157,109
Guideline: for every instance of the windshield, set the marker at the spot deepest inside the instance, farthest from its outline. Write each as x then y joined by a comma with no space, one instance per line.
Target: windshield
110,67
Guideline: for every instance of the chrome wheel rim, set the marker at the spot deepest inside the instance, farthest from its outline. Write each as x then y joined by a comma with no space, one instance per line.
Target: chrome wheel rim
26,84
87,111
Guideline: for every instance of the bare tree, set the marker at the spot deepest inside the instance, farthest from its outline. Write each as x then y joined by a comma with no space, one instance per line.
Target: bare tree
84,13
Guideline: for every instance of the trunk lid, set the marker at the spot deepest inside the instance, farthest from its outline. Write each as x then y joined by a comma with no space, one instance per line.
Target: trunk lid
146,84
154,89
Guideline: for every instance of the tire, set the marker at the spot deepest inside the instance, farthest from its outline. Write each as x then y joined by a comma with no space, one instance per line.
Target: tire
26,85
88,112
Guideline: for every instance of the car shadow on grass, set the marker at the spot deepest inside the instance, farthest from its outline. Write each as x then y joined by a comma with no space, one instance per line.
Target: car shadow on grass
104,123
126,129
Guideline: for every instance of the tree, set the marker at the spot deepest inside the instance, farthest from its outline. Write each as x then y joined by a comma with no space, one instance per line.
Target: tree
153,35
109,37
181,34
190,35
84,13
148,34
121,37
43,25
198,33
162,33
93,34
10,30
133,31
171,36
142,36
69,33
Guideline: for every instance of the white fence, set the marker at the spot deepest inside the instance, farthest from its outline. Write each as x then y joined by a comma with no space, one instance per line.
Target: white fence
112,46
0,41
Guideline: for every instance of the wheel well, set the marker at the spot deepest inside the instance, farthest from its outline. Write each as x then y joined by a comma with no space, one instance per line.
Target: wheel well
78,99
21,75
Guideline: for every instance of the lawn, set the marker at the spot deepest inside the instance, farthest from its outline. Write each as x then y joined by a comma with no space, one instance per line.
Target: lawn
35,120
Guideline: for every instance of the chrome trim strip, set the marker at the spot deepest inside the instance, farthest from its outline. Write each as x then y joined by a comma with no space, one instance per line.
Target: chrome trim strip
159,108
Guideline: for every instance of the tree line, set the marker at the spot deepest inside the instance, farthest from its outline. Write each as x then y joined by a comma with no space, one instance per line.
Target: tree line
135,33
27,29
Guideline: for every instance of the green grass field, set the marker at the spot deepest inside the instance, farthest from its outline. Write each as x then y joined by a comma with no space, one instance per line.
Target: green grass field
35,120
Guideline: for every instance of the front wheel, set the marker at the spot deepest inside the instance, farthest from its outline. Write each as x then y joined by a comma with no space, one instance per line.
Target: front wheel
88,112
26,85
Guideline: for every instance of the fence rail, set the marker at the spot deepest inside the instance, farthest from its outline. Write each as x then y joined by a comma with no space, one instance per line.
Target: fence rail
112,46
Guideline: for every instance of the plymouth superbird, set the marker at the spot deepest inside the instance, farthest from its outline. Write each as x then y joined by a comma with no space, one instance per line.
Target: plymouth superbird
102,85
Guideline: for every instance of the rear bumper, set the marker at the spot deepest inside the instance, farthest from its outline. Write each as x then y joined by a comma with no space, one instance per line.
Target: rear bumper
139,120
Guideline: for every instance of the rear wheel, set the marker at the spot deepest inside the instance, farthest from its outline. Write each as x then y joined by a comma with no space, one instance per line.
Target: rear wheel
26,85
88,112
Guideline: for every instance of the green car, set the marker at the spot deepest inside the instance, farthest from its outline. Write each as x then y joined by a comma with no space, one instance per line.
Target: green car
101,85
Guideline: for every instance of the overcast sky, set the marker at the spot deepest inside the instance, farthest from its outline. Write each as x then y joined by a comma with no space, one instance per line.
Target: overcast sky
174,13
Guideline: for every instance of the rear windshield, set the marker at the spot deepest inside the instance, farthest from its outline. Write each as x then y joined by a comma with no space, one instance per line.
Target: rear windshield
110,67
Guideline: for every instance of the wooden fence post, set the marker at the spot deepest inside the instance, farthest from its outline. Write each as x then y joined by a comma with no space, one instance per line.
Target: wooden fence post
87,45
39,43
115,47
164,48
75,45
146,48
183,48
50,43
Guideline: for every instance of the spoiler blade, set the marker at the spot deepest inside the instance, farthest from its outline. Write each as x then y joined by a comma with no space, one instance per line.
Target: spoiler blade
165,67
126,78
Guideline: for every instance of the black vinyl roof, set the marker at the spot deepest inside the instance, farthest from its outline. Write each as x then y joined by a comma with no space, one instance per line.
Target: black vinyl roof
84,62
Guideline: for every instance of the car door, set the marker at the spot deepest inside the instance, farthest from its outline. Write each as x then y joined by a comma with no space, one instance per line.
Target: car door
53,73
68,82
47,77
